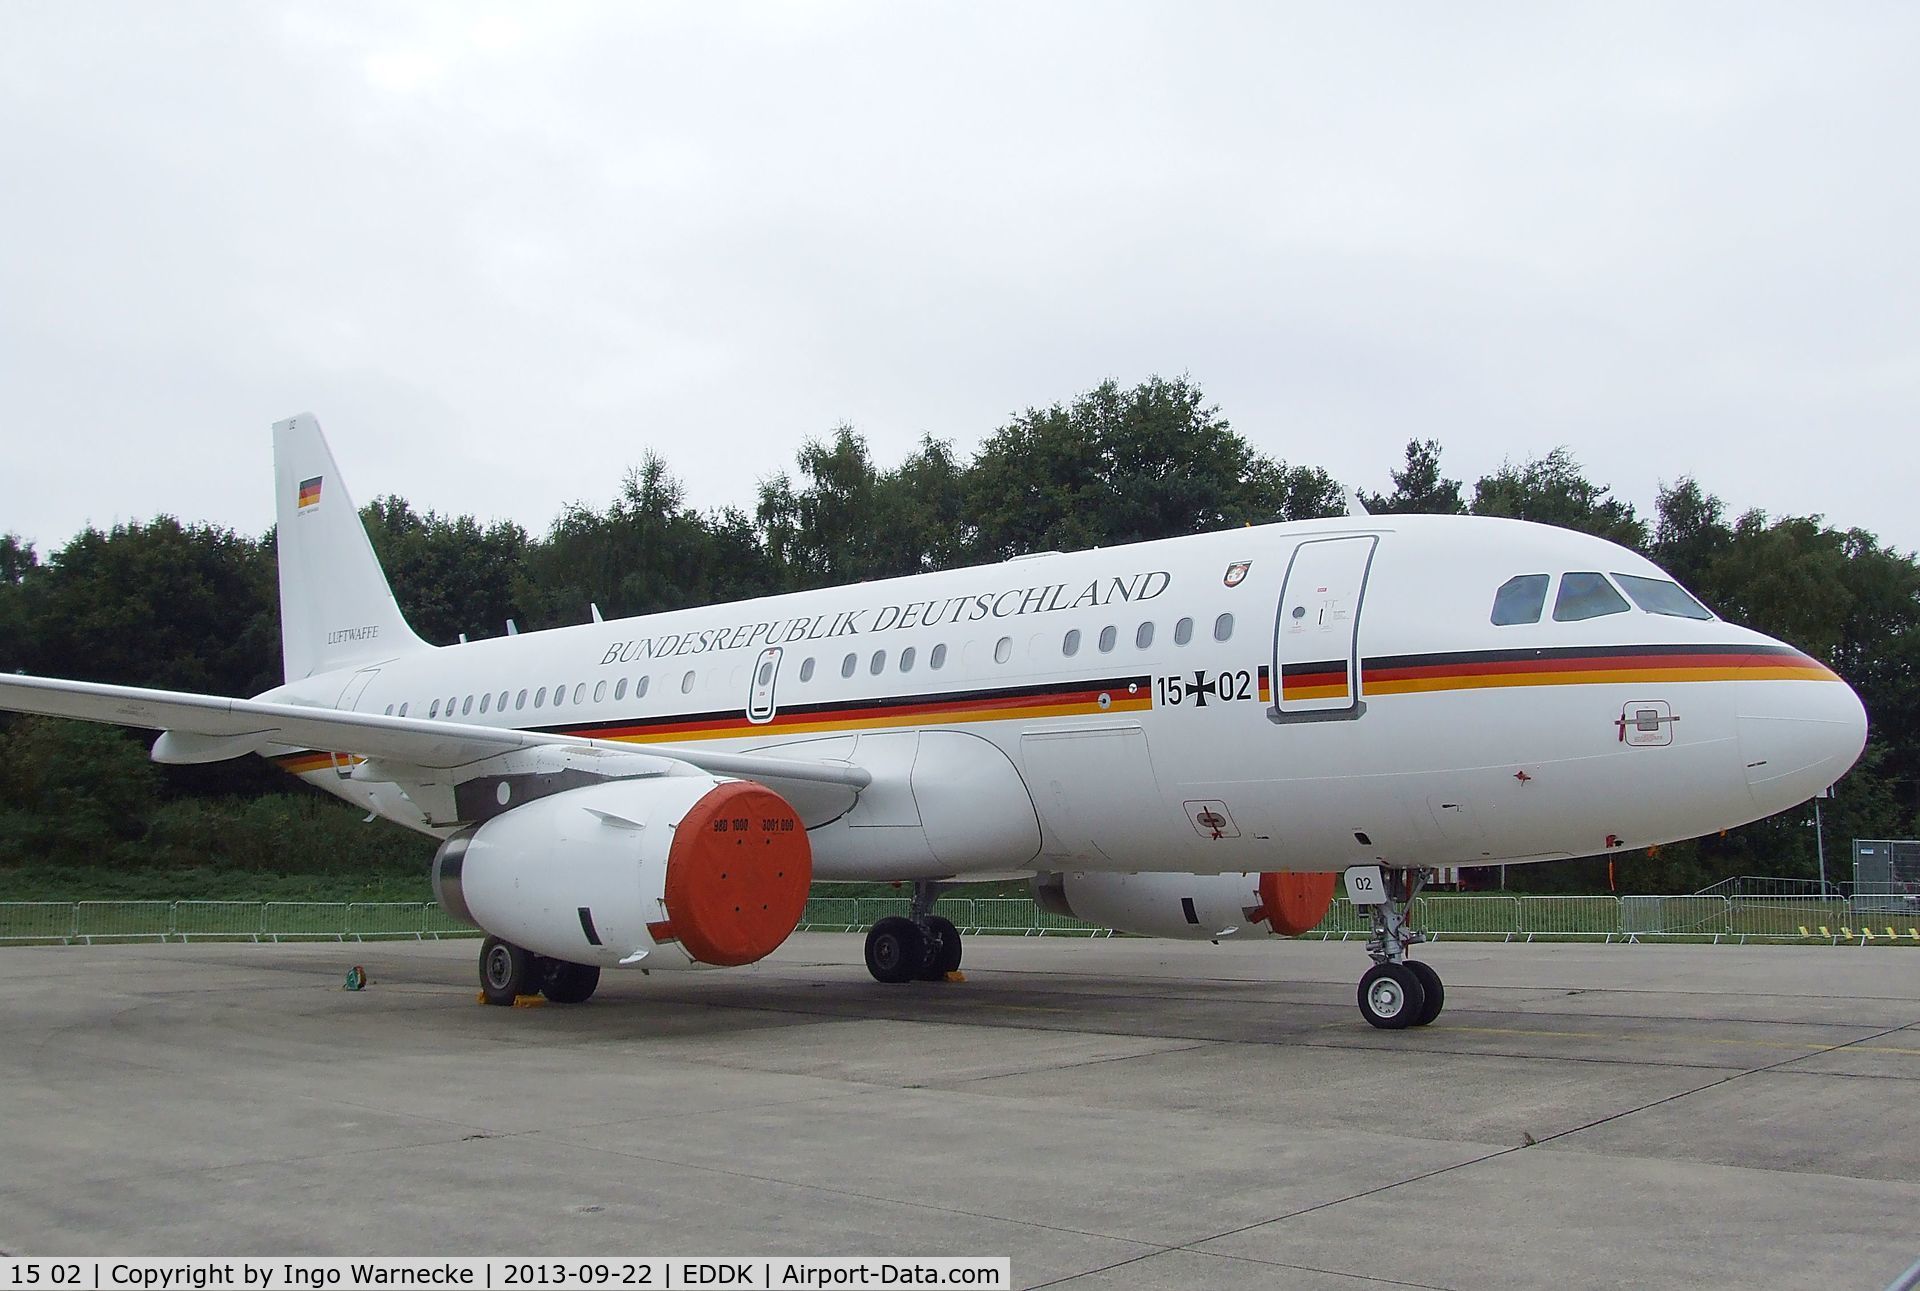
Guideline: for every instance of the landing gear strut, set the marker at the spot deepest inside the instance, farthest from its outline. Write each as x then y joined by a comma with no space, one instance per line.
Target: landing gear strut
921,946
1398,992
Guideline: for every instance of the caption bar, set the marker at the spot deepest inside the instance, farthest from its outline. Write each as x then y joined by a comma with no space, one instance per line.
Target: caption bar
758,1273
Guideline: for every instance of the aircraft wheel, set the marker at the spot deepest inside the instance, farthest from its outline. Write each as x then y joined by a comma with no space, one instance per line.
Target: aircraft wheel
506,971
943,949
1436,994
895,950
1391,996
571,983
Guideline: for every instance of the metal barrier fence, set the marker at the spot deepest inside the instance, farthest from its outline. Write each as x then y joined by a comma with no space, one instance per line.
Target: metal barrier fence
1738,916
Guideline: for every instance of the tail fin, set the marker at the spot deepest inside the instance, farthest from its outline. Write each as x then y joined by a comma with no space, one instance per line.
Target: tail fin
336,609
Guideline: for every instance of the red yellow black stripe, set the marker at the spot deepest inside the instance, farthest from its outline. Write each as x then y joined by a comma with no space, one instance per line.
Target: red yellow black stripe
1564,666
1063,699
1380,675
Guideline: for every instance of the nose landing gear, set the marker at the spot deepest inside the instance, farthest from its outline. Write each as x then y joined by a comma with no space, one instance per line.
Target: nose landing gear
1398,992
921,946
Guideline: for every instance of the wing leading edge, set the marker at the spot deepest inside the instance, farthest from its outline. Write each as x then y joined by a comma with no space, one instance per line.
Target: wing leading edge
202,728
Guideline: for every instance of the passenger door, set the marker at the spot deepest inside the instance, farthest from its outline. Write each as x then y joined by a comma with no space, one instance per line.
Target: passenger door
1316,659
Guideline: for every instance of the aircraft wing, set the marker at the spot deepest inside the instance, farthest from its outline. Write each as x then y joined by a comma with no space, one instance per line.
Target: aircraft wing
210,727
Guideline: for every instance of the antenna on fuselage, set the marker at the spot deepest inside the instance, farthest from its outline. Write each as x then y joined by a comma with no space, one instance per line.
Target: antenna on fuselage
596,612
513,629
1357,505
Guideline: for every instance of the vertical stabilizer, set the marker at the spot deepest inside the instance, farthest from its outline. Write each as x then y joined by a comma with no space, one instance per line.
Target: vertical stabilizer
336,610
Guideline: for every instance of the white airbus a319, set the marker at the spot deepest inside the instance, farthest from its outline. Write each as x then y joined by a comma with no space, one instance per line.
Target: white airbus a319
1182,738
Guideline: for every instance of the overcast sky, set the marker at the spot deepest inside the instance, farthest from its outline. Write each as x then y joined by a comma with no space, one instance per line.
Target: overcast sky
503,250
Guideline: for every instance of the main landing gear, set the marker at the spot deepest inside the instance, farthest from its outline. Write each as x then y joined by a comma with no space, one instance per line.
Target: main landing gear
1398,992
507,972
920,946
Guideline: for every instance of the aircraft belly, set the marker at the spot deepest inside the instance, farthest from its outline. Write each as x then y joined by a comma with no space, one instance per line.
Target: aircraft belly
942,803
1099,800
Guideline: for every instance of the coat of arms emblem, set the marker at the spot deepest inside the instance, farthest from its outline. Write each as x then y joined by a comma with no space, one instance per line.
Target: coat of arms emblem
1237,572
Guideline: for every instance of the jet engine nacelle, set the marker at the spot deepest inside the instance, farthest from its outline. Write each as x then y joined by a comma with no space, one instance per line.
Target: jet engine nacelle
672,871
1198,907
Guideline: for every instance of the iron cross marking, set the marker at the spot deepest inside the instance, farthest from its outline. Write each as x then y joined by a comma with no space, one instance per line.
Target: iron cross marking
1199,688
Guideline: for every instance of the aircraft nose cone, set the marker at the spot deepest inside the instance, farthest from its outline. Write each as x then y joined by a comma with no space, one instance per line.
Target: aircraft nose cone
1798,738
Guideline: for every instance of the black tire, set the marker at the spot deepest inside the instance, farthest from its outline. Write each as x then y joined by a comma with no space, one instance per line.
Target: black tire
506,971
1391,997
895,950
570,983
943,949
1436,994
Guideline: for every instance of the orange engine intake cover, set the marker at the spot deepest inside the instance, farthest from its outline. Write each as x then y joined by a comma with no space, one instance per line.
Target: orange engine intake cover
737,874
1296,903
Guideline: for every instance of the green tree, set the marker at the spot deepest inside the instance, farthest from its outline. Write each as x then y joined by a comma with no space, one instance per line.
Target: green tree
646,552
1552,490
848,520
71,792
1116,466
181,607
1418,487
450,574
1690,536
18,560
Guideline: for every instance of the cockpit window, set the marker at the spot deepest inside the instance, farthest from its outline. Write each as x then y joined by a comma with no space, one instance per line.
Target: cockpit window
1662,596
1586,596
1520,600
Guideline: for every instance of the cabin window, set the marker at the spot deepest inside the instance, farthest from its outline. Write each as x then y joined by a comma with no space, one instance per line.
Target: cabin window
1520,600
434,711
1586,595
389,710
878,662
501,703
619,690
560,694
806,670
686,683
539,697
1070,644
600,692
641,685
906,659
1003,649
938,658
580,693
848,664
486,702
1223,627
520,700
466,706
1108,635
403,710
1662,596
451,701
766,673
1143,636
1183,631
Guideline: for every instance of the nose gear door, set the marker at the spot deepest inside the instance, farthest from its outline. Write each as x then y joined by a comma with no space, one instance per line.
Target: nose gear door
1316,656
